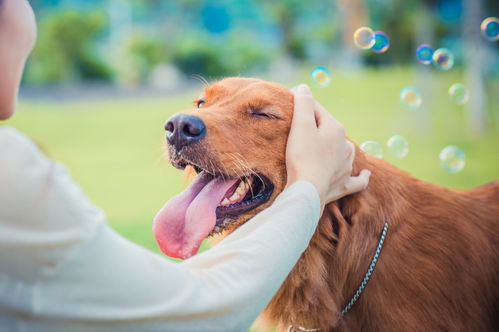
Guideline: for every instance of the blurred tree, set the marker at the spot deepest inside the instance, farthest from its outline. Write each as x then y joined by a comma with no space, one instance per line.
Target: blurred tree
140,56
354,14
424,33
65,49
152,50
197,54
191,4
285,14
474,57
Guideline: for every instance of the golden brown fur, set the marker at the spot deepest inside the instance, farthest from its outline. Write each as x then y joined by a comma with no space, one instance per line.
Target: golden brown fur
439,267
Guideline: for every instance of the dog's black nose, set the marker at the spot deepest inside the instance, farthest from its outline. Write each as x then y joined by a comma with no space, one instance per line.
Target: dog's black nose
184,129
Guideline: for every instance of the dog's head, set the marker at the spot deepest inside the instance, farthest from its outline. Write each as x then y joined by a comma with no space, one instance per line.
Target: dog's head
235,138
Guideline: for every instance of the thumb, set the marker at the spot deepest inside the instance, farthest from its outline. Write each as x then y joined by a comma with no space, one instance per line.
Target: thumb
304,104
358,183
353,185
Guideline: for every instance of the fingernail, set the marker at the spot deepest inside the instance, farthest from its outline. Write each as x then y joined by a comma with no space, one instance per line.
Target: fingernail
303,89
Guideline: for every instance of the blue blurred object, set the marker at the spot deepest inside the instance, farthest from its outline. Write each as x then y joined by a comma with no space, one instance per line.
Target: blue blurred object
450,11
381,42
215,18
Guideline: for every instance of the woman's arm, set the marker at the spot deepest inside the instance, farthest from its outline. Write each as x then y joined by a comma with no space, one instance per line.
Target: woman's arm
66,269
111,281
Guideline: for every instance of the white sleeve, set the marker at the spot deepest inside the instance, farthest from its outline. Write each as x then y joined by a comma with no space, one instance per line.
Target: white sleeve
106,283
43,213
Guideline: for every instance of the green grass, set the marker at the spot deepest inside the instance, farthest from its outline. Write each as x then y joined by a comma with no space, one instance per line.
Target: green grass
114,148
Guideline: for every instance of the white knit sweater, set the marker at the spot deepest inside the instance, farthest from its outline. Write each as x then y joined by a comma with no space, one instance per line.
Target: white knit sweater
62,268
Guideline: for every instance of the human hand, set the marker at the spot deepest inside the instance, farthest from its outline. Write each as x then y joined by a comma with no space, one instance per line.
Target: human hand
318,152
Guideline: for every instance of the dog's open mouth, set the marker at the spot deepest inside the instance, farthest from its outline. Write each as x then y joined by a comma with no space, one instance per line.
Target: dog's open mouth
210,203
245,195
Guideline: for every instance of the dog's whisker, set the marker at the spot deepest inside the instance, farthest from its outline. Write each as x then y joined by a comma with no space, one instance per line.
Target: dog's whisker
200,79
226,171
213,168
243,160
239,170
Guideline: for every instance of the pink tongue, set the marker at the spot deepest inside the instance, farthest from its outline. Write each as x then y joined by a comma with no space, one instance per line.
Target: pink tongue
185,220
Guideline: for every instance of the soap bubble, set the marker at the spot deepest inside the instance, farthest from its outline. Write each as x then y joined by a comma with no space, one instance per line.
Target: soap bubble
443,59
381,42
424,53
459,94
320,76
372,148
410,98
452,159
398,146
490,28
364,38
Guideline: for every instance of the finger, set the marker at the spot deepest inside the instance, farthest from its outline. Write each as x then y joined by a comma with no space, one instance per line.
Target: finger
334,132
303,89
320,110
303,114
358,183
321,113
326,122
348,158
349,152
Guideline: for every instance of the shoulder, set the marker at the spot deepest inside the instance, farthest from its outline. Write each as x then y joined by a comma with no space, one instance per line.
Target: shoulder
21,161
10,134
15,145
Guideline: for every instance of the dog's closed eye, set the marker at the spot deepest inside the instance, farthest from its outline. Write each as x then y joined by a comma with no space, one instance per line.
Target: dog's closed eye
262,112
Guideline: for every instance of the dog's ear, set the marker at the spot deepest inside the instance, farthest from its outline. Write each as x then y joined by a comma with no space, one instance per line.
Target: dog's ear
189,174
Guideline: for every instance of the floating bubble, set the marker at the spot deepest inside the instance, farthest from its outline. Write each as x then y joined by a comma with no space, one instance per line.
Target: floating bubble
459,94
373,148
363,37
398,146
381,42
452,159
490,28
410,98
424,53
320,76
443,59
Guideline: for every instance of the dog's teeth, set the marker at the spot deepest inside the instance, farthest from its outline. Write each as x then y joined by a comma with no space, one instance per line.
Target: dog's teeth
235,196
242,185
241,188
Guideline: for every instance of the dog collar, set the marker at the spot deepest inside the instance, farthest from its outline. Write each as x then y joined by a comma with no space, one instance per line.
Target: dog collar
361,288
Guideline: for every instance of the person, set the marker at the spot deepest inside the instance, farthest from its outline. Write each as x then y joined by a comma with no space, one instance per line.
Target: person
62,268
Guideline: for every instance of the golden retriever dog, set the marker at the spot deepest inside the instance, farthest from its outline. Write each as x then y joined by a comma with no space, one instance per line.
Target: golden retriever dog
439,266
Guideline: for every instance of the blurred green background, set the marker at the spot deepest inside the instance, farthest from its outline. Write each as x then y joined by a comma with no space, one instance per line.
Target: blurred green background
114,148
106,74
